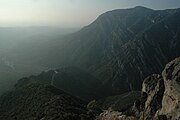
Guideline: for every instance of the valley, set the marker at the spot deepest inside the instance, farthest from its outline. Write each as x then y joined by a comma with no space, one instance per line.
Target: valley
11,69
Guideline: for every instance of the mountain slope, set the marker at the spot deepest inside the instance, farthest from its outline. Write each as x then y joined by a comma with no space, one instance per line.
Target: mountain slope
36,101
70,79
146,54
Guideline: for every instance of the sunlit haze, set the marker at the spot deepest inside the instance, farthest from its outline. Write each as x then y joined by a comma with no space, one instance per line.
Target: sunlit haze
67,13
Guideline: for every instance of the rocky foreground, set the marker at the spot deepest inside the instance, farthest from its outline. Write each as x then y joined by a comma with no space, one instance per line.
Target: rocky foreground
160,97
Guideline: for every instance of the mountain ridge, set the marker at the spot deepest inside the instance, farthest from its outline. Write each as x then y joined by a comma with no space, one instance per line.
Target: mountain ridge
40,101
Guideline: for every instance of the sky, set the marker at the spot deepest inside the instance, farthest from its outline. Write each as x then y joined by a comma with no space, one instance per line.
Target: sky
67,13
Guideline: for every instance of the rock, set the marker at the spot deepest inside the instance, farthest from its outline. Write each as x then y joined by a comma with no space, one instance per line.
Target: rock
151,97
114,115
160,97
171,98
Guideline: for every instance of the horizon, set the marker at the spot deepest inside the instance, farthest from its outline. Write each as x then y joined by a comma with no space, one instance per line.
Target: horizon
67,13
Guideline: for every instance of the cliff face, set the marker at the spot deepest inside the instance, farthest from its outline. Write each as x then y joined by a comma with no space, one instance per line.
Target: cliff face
160,97
171,98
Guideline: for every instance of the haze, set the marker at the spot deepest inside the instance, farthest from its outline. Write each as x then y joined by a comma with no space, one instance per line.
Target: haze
67,13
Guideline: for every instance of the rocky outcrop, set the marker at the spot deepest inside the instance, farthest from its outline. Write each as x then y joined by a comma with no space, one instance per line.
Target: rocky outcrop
160,97
151,97
171,98
114,115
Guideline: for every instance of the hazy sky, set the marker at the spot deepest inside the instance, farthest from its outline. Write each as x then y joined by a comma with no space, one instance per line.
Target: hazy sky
67,13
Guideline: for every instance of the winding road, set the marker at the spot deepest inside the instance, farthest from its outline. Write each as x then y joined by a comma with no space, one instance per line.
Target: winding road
53,76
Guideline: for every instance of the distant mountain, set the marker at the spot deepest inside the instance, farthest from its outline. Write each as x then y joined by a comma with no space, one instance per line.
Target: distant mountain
12,38
120,48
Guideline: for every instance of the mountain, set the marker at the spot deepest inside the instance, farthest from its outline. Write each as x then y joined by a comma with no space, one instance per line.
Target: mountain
120,48
37,101
110,57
